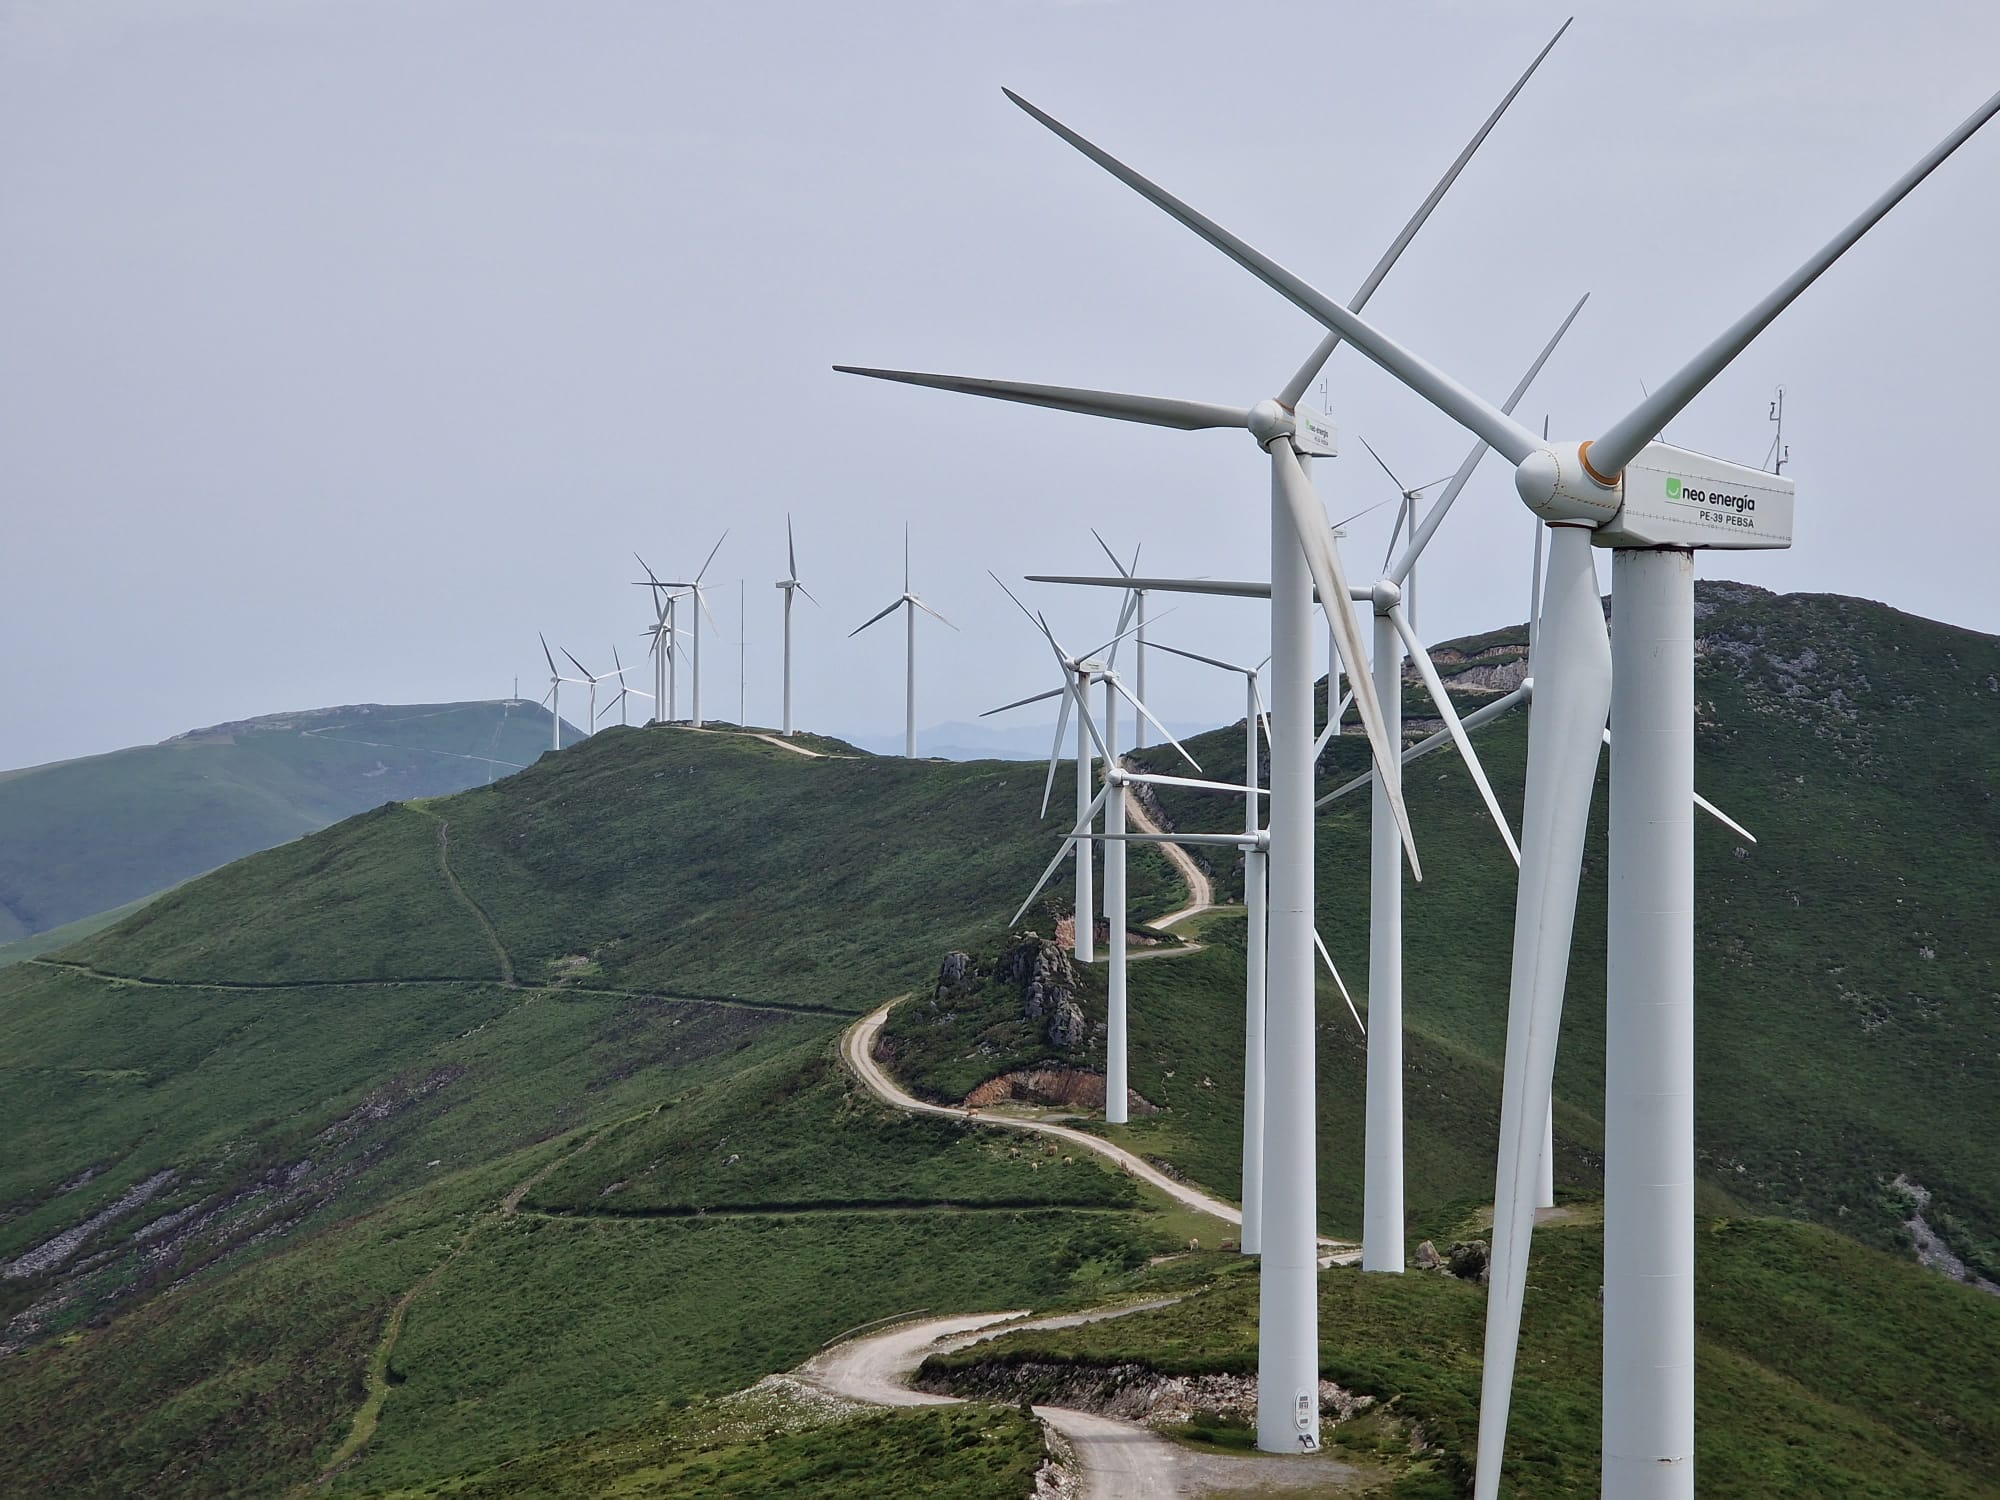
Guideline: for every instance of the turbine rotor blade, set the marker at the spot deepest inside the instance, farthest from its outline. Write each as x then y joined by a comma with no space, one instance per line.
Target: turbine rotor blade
1227,666
1055,751
1469,410
545,652
871,619
1127,572
1434,517
1433,742
1156,411
1296,386
1722,817
704,567
1123,691
929,611
1320,944
1621,442
1148,779
1427,669
1565,739
1068,847
1022,702
1309,521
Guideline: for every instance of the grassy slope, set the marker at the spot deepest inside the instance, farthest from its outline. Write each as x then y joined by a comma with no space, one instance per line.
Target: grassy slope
314,1125
1832,1053
1821,1365
83,836
23,949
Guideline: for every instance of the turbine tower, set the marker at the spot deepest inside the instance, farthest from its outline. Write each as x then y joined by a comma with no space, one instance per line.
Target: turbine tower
1078,674
790,584
554,695
909,603
1303,554
1655,505
694,587
661,634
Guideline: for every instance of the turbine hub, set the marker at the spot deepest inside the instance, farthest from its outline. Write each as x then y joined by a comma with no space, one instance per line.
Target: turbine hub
1385,595
1556,484
1270,421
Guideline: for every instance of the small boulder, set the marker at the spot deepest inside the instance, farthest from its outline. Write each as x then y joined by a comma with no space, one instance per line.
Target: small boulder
1469,1260
1427,1257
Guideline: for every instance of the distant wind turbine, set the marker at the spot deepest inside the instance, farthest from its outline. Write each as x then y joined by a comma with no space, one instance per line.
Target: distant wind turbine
791,585
554,696
909,603
694,586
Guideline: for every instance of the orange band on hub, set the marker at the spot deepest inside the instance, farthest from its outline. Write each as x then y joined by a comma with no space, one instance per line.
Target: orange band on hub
1610,482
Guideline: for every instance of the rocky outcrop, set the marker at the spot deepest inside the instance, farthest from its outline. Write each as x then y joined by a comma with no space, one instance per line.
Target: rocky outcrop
1130,1392
1047,981
954,976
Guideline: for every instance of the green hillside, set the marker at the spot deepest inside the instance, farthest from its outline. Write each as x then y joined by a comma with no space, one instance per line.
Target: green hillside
80,837
489,1141
1822,1368
1848,973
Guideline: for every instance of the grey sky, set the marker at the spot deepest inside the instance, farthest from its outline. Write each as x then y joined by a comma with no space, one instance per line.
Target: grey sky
345,345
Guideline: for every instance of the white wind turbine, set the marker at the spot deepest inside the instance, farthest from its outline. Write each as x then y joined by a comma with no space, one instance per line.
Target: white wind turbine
1303,554
1136,606
1383,1221
554,695
661,636
693,586
790,584
625,690
591,680
1655,505
909,603
1078,675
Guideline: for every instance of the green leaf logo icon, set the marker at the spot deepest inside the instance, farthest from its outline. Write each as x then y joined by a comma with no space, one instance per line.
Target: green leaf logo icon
1673,489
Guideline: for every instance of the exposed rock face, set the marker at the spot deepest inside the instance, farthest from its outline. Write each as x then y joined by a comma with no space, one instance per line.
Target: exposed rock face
1427,1257
953,975
1066,1028
1048,989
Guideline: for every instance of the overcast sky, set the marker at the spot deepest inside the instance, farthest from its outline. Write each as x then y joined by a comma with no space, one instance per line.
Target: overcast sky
343,346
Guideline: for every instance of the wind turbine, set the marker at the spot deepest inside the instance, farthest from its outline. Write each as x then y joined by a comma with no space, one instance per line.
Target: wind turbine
1406,518
554,698
1303,554
1383,1222
1085,670
1654,504
694,586
1136,605
591,679
909,603
661,634
790,584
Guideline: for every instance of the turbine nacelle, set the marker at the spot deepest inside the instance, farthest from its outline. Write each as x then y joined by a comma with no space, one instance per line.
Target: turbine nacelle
1665,497
1311,432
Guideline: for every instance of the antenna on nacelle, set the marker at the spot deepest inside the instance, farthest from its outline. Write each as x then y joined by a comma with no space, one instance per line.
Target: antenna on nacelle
1778,455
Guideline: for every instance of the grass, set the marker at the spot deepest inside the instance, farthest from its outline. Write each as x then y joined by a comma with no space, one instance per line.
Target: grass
81,837
971,1452
1818,1368
320,1045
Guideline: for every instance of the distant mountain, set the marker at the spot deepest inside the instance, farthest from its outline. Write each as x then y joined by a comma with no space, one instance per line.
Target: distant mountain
80,837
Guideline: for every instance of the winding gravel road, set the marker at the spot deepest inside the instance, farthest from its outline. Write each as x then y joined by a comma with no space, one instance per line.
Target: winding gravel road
1118,1460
